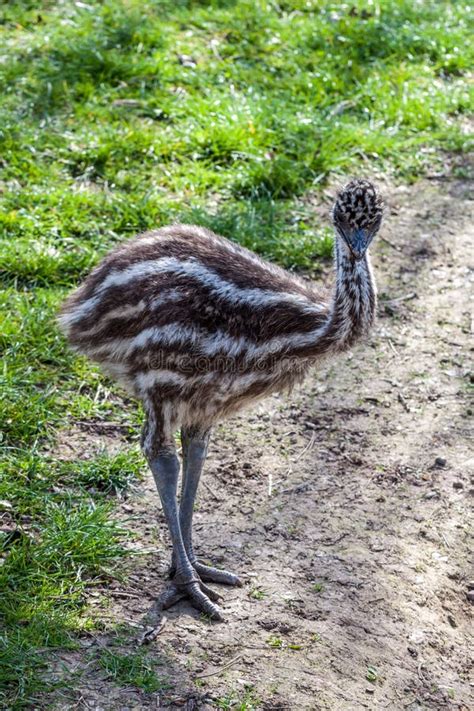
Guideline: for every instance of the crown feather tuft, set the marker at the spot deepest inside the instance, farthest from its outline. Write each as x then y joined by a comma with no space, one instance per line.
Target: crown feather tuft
358,204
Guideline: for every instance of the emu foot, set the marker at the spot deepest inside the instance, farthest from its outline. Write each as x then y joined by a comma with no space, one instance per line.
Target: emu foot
200,596
210,574
214,575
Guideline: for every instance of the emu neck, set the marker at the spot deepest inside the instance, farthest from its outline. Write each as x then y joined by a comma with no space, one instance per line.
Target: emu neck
354,301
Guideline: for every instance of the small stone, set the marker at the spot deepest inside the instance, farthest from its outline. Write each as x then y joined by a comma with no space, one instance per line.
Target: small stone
412,651
452,621
470,595
370,690
440,462
470,585
417,637
458,485
186,60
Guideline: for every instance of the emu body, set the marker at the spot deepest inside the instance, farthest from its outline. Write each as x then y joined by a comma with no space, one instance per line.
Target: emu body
197,328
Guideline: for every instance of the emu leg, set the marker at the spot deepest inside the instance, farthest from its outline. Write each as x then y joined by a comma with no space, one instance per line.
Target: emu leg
186,583
195,445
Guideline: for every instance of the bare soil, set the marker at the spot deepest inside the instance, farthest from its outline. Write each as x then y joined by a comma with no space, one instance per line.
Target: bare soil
345,508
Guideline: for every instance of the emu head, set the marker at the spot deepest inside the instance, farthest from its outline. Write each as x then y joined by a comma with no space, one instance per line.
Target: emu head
357,215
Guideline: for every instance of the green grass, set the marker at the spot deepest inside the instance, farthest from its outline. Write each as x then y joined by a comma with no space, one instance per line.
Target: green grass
121,115
234,701
132,669
45,569
372,674
275,642
257,593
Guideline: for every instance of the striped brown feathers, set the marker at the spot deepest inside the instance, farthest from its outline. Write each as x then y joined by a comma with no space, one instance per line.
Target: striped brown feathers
187,319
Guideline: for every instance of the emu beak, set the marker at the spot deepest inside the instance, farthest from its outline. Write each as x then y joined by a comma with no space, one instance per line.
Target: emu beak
358,243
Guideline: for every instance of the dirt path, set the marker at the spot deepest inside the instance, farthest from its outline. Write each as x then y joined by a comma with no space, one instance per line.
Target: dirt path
356,566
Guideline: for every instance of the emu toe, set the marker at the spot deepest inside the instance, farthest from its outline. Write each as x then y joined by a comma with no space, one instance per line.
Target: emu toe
215,575
200,596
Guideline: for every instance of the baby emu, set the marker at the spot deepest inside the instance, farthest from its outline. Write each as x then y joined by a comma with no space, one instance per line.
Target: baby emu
197,327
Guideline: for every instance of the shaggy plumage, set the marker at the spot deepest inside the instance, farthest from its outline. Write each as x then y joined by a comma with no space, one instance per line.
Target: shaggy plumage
197,327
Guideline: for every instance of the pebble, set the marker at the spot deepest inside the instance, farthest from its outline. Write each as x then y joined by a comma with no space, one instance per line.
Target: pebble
370,690
440,462
470,595
452,621
458,485
417,637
